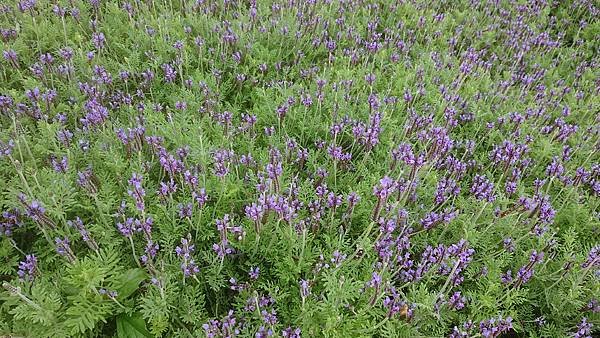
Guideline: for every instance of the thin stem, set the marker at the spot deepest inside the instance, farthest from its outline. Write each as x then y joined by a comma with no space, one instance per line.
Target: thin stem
17,291
133,251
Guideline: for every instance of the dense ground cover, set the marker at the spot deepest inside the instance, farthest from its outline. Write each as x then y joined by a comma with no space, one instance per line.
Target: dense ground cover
299,168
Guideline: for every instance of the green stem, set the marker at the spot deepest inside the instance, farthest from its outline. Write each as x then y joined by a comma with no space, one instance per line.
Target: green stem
133,251
17,291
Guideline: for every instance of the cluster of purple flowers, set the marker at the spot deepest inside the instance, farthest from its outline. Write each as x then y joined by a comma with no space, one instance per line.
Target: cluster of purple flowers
494,327
396,306
28,268
539,206
483,189
222,160
132,139
85,234
6,147
526,272
489,328
336,260
451,261
457,301
184,252
386,188
63,248
108,293
225,227
593,258
9,220
170,164
446,187
290,332
36,212
228,326
433,218
88,181
96,115
60,166
137,191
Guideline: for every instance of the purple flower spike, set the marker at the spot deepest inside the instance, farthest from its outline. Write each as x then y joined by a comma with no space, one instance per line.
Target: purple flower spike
492,328
483,189
584,329
87,238
63,248
593,258
457,301
127,228
28,268
254,272
304,289
184,251
137,191
291,333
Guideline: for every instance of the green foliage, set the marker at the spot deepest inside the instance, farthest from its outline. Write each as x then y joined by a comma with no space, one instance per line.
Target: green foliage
531,58
131,326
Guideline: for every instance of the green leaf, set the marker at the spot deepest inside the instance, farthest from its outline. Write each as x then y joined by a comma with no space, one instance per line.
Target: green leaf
132,326
129,281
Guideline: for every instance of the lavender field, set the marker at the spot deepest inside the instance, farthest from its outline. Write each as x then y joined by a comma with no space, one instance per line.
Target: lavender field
299,168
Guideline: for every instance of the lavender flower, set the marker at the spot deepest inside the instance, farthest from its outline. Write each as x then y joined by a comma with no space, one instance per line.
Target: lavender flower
60,166
493,327
254,272
483,189
269,317
6,148
200,197
255,213
224,226
226,327
555,168
98,40
144,226
150,252
170,163
9,220
137,191
36,212
166,190
127,228
506,278
508,154
382,191
291,333
584,329
509,244
433,219
304,289
63,248
28,268
446,188
185,210
184,251
264,332
64,136
190,180
593,305
96,115
396,306
109,293
88,181
78,224
457,301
